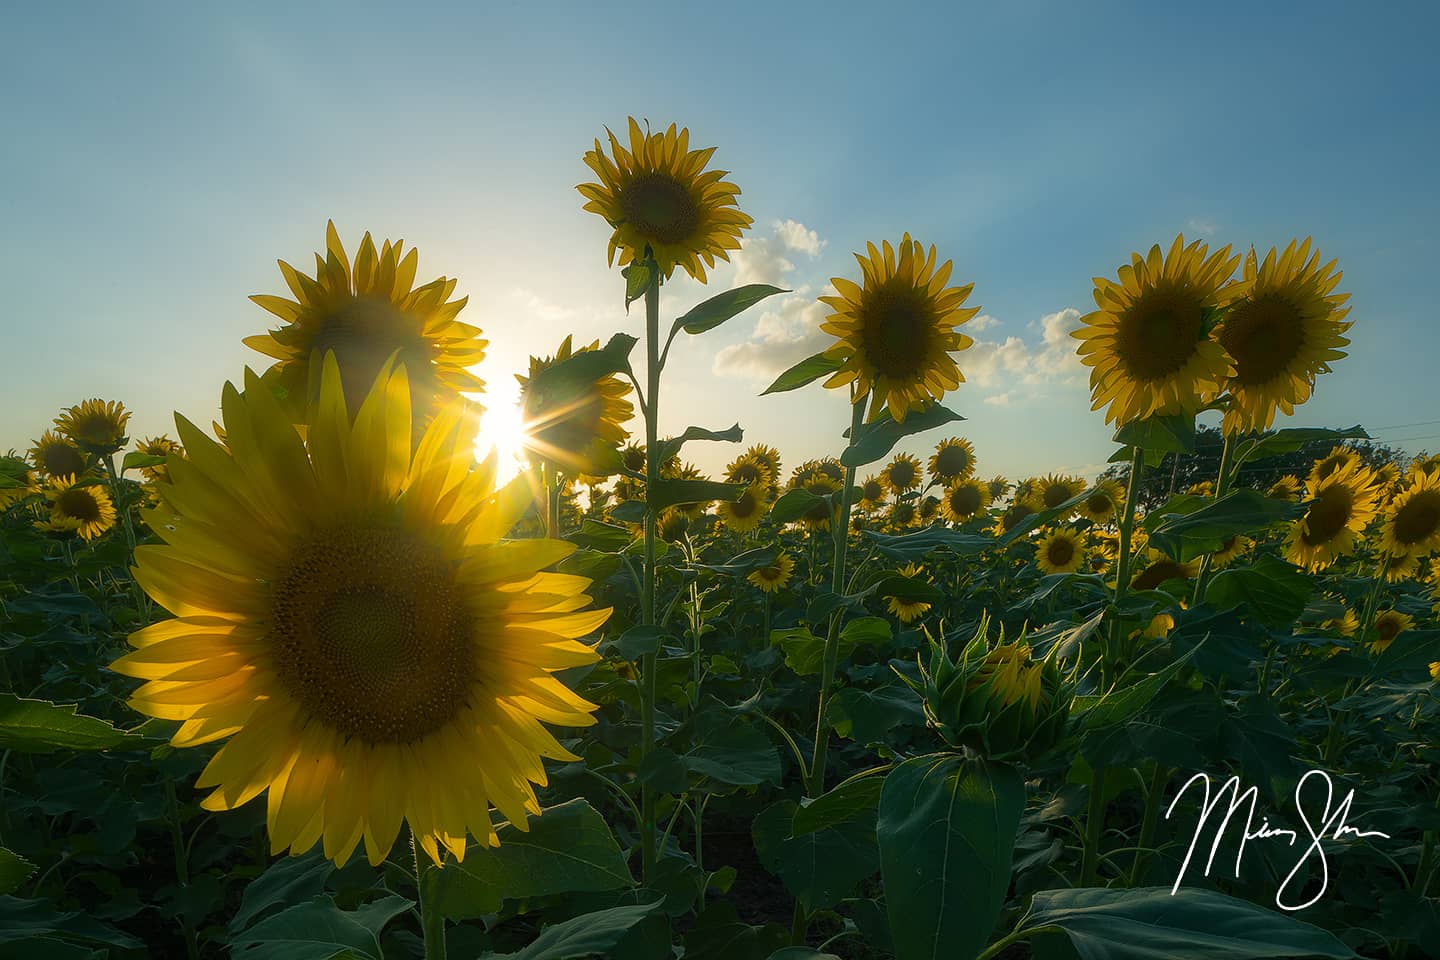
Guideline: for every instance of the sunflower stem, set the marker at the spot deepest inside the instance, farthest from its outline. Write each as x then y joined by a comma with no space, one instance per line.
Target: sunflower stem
1372,601
182,870
432,923
647,586
1222,487
552,502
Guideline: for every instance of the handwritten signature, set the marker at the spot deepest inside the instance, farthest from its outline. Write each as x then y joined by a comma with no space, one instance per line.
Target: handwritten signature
1331,826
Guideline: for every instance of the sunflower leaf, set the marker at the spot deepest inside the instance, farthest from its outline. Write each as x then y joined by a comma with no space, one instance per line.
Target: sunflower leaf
1291,440
585,936
806,371
136,460
670,491
39,726
565,378
1189,535
722,307
878,437
1159,435
637,281
794,504
670,446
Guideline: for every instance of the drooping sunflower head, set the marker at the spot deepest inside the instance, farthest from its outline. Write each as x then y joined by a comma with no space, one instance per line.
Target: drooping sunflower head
96,426
896,328
1155,568
774,577
81,502
954,459
1388,625
673,524
572,424
872,493
1289,487
658,195
1338,458
365,311
1104,502
1150,345
1281,335
632,457
161,446
965,499
1412,522
1340,506
349,616
744,514
1060,551
908,611
57,456
902,473
748,468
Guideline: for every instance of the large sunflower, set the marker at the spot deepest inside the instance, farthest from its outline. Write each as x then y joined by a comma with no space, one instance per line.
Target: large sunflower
1103,503
1060,551
348,616
1338,458
96,426
84,507
1288,487
659,195
750,468
1149,345
57,456
744,514
954,459
1388,625
1054,489
1156,568
896,328
965,499
1281,335
365,311
572,424
1340,507
1412,524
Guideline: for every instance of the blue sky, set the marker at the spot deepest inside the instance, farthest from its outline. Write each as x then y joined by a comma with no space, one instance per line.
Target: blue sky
156,160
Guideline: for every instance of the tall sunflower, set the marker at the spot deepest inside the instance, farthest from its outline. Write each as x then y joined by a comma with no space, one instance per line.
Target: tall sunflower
57,456
81,503
908,611
96,426
1054,489
1013,516
749,468
965,499
659,195
998,486
365,311
572,424
1103,503
902,473
1412,523
1149,345
1281,335
348,615
954,459
1060,551
896,328
1340,507
769,456
744,514
1388,625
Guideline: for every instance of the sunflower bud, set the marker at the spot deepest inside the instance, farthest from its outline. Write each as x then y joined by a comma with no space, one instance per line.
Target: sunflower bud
998,701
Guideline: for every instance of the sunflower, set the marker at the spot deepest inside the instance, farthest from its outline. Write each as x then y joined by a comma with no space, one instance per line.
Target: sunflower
96,426
1103,503
571,425
1231,548
673,524
85,505
872,494
161,446
1281,335
929,509
1013,516
1388,625
1159,627
907,611
18,480
954,459
965,499
902,514
748,468
769,456
1289,487
365,311
659,196
1149,345
1158,568
1435,670
1205,488
1345,625
1055,489
1412,524
820,516
902,473
1060,551
1340,507
774,577
1337,459
896,329
1402,567
998,486
57,456
1028,491
744,514
347,614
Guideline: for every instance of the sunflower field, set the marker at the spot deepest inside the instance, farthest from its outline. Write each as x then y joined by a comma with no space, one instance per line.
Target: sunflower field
315,681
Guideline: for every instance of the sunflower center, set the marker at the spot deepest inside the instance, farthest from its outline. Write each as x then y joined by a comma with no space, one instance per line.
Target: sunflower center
896,323
97,429
1099,504
873,490
902,474
660,206
964,500
1056,494
1386,630
952,461
1263,336
370,634
364,332
1159,332
1157,573
79,504
745,507
1419,519
62,460
1014,515
1060,552
1328,515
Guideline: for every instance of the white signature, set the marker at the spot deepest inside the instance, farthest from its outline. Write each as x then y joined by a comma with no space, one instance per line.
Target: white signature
1332,826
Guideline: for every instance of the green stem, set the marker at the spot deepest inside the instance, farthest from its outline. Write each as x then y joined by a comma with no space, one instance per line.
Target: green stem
1022,933
1153,796
1372,601
551,481
182,869
648,664
1094,824
1222,487
432,923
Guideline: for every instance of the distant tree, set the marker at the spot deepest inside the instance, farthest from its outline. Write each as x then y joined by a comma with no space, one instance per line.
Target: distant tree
1177,473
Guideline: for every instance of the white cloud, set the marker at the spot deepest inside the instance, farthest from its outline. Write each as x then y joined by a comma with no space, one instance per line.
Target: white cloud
796,237
979,324
1200,225
769,259
783,336
1015,361
997,400
539,307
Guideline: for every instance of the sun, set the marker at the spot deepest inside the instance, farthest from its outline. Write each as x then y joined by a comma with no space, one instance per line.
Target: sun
502,429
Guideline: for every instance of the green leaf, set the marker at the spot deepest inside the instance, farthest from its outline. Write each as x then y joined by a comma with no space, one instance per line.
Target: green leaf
568,848
794,504
14,869
720,934
639,640
743,563
947,830
912,547
877,438
867,630
821,867
583,936
1175,434
1148,923
317,930
806,371
669,492
868,715
566,379
804,652
1292,439
598,535
1119,705
39,726
845,802
723,306
908,589
670,446
24,919
135,460
736,754
287,880
1275,591
801,953
637,280
1190,535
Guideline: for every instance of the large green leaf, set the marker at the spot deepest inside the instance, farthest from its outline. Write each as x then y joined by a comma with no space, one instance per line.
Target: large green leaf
947,830
671,491
1128,698
723,306
286,881
1158,435
39,726
845,802
806,371
568,848
794,504
1190,535
877,438
821,867
1275,591
1148,923
566,378
583,936
670,446
720,934
736,754
1291,440
868,714
317,930
912,547
14,869
24,919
